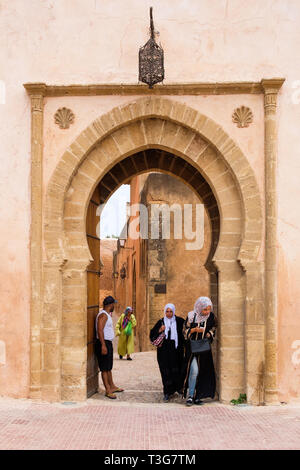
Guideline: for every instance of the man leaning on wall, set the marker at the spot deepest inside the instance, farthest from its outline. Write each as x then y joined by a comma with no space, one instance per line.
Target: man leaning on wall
104,346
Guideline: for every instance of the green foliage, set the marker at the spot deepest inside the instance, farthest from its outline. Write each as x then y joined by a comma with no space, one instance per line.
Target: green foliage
242,399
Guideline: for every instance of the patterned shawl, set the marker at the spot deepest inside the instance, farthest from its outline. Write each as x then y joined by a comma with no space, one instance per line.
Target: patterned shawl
126,319
200,304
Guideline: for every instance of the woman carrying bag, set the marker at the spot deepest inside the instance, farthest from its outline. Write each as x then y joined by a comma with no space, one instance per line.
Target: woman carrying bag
199,331
167,336
124,329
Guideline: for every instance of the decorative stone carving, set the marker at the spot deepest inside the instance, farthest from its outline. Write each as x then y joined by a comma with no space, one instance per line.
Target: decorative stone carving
51,271
242,116
64,117
271,88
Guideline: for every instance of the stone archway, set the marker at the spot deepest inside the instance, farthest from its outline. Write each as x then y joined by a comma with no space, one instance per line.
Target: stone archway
173,127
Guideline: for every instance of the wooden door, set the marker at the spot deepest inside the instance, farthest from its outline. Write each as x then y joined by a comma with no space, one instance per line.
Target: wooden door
93,287
134,289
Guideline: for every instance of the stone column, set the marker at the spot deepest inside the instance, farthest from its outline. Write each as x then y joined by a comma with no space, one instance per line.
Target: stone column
73,358
50,331
231,330
254,331
271,88
36,93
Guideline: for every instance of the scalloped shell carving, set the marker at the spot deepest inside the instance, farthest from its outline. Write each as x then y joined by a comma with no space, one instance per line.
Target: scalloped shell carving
64,117
242,116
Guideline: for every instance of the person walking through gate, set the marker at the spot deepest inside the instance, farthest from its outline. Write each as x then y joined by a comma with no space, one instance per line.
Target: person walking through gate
200,373
104,346
170,351
124,329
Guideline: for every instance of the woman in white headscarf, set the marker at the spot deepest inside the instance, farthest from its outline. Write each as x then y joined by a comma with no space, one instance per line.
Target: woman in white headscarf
200,372
170,353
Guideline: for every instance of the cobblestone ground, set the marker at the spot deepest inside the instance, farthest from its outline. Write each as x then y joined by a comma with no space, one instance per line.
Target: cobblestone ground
140,378
139,420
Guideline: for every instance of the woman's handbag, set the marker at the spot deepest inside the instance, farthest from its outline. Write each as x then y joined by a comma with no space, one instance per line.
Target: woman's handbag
200,346
159,340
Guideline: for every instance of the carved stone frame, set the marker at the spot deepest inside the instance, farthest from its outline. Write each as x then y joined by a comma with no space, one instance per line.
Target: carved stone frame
58,370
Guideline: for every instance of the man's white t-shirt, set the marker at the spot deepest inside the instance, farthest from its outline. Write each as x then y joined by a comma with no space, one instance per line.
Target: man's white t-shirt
108,330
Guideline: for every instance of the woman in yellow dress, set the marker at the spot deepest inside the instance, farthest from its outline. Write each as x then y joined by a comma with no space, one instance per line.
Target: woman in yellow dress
124,329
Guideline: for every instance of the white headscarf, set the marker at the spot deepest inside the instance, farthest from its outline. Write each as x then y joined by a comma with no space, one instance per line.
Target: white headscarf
200,304
170,323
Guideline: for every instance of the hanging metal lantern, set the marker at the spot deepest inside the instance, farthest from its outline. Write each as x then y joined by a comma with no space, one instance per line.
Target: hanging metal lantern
151,60
123,272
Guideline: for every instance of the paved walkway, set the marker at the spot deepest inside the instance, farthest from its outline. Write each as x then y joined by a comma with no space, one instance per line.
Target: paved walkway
139,420
140,378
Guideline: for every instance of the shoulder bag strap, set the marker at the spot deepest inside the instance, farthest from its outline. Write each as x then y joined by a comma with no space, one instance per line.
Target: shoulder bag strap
203,332
197,325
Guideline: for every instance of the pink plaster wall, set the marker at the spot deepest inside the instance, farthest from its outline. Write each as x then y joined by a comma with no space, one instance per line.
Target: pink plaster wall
97,41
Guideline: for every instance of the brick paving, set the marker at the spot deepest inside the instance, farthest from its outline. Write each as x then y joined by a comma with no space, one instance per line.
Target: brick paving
141,421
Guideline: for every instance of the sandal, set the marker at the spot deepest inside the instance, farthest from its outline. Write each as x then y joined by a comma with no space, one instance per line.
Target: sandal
111,395
118,390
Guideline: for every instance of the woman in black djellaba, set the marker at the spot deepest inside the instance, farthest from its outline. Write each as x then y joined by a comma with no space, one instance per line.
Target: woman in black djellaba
200,377
171,353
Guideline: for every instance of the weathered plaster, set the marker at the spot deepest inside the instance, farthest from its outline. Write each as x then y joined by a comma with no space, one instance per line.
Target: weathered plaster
216,41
